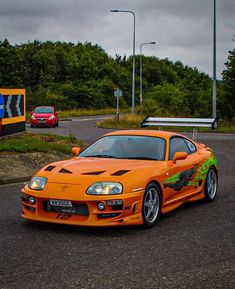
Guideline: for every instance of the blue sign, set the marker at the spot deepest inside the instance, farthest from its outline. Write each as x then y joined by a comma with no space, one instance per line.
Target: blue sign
1,106
117,92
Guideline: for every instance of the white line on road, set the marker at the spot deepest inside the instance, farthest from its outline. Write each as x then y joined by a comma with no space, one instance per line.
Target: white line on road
90,119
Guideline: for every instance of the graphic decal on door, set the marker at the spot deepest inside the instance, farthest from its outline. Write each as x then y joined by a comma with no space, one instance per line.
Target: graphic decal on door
181,180
190,177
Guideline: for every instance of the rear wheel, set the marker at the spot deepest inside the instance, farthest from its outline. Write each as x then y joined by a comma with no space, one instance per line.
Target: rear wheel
211,185
151,206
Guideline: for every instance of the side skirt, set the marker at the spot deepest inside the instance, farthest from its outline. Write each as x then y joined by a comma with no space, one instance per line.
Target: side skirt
172,204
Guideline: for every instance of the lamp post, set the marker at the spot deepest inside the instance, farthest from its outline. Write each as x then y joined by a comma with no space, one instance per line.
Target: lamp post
133,66
145,43
214,63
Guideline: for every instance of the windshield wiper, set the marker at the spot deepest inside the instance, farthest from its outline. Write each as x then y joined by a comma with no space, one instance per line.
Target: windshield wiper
140,158
100,156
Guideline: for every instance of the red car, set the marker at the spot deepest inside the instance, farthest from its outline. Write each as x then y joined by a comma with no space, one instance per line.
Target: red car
43,116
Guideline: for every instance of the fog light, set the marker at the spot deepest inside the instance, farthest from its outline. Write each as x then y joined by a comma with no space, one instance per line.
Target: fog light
32,200
101,206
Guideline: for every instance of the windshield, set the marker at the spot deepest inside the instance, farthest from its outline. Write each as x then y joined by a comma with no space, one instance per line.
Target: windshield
127,147
44,109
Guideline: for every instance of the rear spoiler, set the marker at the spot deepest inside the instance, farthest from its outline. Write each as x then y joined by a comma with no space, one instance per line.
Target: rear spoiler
183,122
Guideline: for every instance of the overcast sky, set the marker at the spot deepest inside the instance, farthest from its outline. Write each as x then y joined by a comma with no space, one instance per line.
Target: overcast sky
183,29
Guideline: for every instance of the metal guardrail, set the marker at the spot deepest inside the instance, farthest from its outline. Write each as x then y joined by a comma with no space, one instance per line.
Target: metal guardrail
181,122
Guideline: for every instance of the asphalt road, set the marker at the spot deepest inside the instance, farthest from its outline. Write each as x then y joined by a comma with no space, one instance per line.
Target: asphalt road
81,127
192,247
85,128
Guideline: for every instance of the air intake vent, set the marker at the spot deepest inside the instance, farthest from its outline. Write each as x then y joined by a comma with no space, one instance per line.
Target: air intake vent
49,168
94,173
64,171
120,173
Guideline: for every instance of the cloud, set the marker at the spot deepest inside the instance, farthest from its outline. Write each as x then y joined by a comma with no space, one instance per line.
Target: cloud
183,29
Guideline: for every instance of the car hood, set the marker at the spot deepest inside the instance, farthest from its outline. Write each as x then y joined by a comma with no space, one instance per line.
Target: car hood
81,170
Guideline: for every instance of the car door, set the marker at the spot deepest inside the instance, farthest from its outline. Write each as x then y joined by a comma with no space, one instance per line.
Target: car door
180,175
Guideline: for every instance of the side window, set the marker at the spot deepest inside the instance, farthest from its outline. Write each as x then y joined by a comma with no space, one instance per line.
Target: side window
191,146
178,144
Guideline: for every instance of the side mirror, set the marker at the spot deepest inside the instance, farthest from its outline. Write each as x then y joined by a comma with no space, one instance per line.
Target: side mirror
76,151
179,156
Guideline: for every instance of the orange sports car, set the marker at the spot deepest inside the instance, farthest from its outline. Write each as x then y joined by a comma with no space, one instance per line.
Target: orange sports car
124,178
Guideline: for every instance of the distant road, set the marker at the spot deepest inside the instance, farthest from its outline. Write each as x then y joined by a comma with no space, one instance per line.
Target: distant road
84,128
81,127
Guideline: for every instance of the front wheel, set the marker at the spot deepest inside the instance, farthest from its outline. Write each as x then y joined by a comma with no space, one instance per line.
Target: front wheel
211,185
151,206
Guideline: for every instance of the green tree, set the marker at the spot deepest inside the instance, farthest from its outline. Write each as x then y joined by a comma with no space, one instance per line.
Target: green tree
170,99
226,102
9,65
83,75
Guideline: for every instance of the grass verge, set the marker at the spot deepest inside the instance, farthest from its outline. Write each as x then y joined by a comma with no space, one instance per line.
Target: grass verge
84,112
127,121
134,122
28,142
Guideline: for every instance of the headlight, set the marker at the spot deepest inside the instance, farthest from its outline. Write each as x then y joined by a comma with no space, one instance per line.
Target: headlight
105,188
51,117
33,117
37,183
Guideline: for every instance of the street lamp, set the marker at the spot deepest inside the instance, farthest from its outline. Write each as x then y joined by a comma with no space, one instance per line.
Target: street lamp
141,98
133,66
214,63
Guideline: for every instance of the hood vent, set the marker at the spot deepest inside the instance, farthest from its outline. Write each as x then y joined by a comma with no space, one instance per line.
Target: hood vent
49,168
64,171
94,173
120,173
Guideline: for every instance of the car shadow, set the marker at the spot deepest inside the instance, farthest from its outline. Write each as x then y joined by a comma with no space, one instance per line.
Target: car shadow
80,230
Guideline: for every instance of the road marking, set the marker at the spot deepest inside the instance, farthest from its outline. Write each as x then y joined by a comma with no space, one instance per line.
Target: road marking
84,119
90,119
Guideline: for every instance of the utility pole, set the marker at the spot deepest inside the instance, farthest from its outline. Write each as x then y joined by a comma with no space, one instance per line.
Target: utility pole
214,64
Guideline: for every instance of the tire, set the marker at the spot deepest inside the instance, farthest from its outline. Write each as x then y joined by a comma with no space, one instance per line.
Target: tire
211,185
151,207
32,126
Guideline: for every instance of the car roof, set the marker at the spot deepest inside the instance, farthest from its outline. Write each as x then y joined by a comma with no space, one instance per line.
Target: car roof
44,106
144,132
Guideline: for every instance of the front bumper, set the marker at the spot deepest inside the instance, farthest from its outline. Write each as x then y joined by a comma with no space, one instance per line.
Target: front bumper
44,123
86,213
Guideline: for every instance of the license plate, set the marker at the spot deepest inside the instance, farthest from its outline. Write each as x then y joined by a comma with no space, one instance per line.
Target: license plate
41,121
61,203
